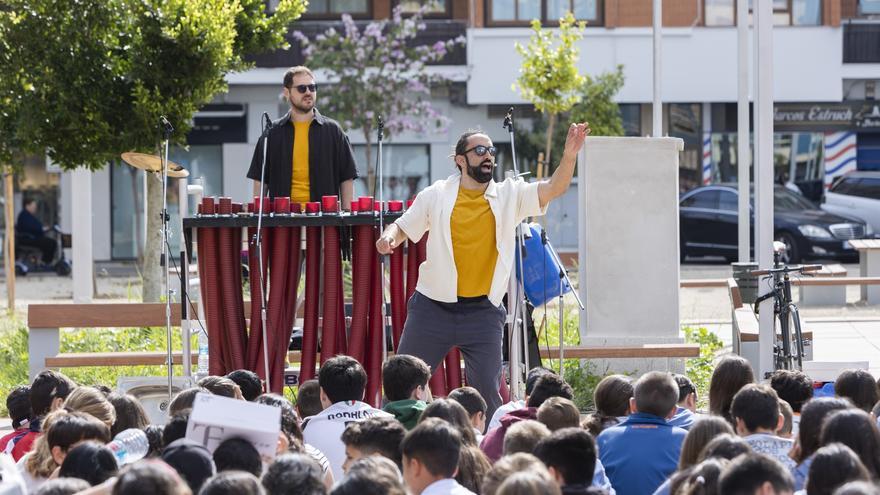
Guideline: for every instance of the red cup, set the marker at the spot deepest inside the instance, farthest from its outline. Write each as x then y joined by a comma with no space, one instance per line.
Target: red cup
330,204
236,208
409,203
395,206
282,205
379,206
355,206
365,204
208,207
296,208
267,205
313,208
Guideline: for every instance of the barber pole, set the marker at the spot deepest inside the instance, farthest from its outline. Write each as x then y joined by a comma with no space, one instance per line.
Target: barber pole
840,155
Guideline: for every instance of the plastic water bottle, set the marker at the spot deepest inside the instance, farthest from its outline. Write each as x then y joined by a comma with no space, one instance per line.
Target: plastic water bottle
129,446
202,367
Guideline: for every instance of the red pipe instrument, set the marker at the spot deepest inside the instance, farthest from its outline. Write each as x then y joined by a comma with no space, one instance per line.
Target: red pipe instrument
453,369
255,338
332,274
398,296
374,353
208,259
229,265
310,316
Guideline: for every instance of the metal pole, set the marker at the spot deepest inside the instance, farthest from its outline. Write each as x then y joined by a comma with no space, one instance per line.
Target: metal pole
743,149
185,334
164,265
380,170
658,65
9,248
764,172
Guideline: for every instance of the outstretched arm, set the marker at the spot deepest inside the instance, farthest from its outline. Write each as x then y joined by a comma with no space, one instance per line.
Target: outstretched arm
561,178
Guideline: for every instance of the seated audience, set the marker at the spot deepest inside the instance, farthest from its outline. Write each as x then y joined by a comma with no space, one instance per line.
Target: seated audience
308,399
528,483
373,436
150,478
248,382
472,463
785,429
558,412
184,400
342,381
859,387
755,411
222,386
570,457
794,387
858,488
730,375
704,430
505,467
373,475
294,473
724,446
232,483
175,428
611,399
531,379
524,436
405,382
687,402
833,466
91,400
48,391
154,436
813,415
192,460
548,385
430,458
62,486
18,403
89,461
755,474
702,478
129,413
645,443
858,431
474,405
237,454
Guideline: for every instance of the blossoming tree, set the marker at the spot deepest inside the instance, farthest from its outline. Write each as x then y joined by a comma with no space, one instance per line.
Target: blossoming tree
379,70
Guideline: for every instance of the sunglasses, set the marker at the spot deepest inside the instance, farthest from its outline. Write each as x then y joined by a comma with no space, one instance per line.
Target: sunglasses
481,150
302,88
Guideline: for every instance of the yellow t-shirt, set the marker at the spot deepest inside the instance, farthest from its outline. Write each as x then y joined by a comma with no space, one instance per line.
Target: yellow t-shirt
473,243
299,183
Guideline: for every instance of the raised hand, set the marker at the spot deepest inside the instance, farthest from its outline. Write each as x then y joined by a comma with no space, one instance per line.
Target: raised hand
577,133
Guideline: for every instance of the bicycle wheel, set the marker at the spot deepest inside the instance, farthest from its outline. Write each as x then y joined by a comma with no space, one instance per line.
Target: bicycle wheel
785,356
797,336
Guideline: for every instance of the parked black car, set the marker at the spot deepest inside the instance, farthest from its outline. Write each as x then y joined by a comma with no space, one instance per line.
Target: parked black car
708,225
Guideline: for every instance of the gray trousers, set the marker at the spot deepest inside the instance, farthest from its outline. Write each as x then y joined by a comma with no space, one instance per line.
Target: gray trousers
474,326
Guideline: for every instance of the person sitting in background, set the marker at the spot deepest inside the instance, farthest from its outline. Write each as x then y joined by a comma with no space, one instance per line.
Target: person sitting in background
129,413
91,400
755,474
222,386
548,385
524,436
29,231
237,454
150,478
374,475
702,478
191,460
308,399
504,409
430,458
294,473
48,391
472,463
248,382
833,466
558,412
858,431
475,405
787,420
570,456
89,461
858,488
154,436
645,443
611,399
63,486
530,482
730,375
373,436
725,446
185,399
18,403
703,431
405,381
813,416
794,387
687,402
342,381
755,411
506,467
232,483
859,387
175,428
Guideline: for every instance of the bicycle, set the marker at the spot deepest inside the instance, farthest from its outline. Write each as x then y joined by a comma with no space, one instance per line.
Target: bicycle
790,354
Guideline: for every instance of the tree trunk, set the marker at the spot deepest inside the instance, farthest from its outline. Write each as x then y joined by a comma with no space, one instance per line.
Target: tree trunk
551,122
152,272
371,173
9,248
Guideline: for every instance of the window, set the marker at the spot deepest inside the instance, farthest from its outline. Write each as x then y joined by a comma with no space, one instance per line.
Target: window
867,188
719,13
434,6
844,185
704,199
521,12
794,12
728,201
334,8
867,7
407,170
631,115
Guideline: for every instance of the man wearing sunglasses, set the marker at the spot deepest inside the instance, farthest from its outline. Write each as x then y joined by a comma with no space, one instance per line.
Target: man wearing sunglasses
309,156
470,253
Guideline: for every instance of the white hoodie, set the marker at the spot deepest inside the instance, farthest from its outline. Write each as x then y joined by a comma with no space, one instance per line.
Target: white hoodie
324,430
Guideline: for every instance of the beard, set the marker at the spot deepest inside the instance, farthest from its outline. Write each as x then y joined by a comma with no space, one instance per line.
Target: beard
303,106
477,173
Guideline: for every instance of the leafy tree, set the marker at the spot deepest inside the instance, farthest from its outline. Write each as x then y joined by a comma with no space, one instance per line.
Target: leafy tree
86,81
379,71
549,77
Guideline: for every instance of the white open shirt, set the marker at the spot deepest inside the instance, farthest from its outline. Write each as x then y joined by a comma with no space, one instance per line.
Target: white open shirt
511,202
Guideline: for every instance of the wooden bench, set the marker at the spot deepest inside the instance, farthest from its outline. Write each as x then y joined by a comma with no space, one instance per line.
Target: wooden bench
46,320
825,295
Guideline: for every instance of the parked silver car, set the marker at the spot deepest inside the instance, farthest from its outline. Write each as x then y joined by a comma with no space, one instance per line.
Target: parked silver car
855,195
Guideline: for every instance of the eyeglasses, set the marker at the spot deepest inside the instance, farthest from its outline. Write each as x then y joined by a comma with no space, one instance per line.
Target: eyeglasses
481,150
302,88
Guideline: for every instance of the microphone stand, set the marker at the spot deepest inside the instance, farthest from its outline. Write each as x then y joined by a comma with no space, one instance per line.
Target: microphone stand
563,279
258,242
380,172
516,304
167,130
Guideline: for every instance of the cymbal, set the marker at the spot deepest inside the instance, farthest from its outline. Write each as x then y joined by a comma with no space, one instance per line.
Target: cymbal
152,163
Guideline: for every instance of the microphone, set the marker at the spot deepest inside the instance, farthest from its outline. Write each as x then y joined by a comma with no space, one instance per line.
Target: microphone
267,125
165,125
